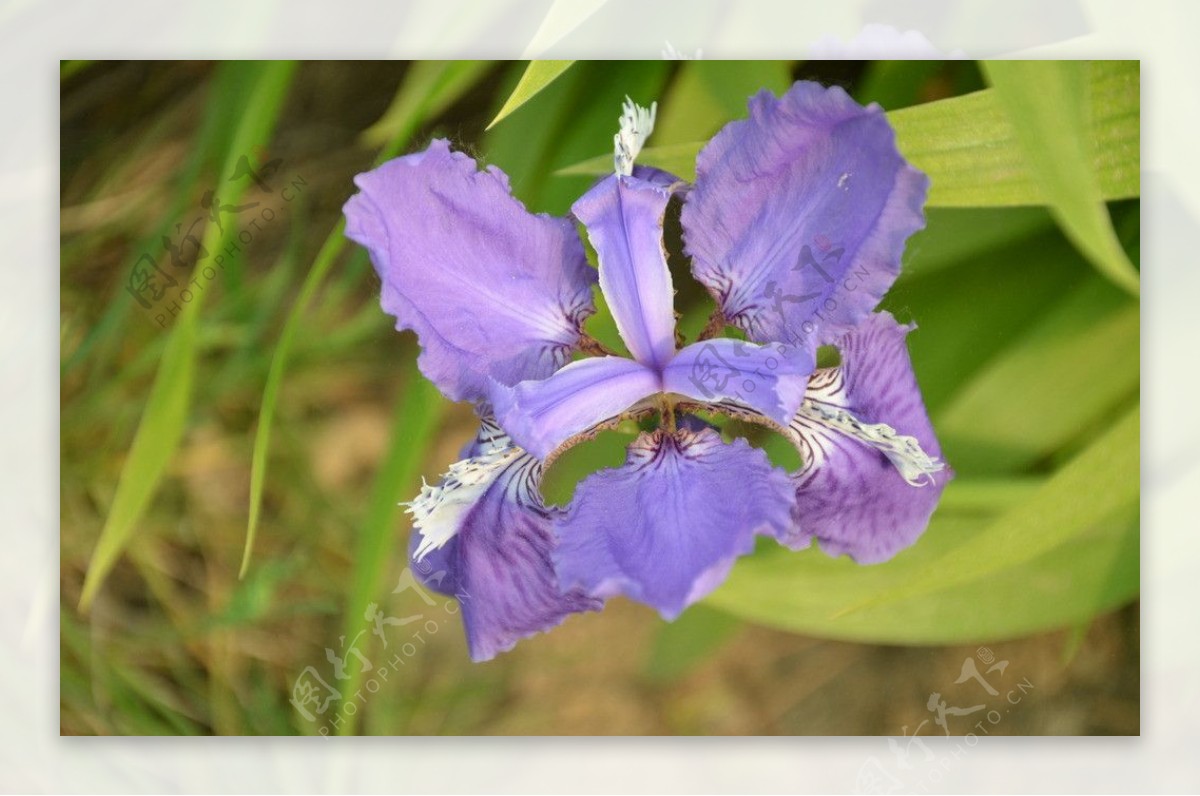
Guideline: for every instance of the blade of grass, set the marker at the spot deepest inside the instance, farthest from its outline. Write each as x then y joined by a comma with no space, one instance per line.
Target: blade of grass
266,415
154,444
538,75
96,348
448,84
1048,104
165,417
413,424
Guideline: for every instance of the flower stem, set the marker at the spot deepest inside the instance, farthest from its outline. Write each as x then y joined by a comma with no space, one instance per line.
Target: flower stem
668,414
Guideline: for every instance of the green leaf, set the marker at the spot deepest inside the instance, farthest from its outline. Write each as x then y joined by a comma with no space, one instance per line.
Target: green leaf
564,123
1048,103
967,316
1061,378
1100,482
429,88
538,75
959,235
969,149
154,444
164,419
270,400
809,592
895,84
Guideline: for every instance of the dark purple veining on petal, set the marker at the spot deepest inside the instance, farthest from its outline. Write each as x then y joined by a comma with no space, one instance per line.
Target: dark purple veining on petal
499,563
492,290
666,527
800,213
850,496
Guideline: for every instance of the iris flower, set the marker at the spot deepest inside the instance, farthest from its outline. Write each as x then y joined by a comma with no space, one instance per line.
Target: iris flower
795,224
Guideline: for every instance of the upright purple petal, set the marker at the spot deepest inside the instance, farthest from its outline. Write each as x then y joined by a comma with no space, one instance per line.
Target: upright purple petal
865,489
492,291
484,536
541,415
769,378
799,215
624,218
666,527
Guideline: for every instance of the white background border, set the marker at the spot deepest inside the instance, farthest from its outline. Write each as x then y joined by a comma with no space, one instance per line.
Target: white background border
34,35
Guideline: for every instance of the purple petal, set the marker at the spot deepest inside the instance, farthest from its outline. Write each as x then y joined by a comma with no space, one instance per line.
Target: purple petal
491,290
663,179
667,526
770,378
799,215
541,415
624,218
484,536
856,491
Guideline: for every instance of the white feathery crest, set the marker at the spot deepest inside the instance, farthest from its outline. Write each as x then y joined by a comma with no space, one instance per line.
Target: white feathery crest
910,459
438,510
636,125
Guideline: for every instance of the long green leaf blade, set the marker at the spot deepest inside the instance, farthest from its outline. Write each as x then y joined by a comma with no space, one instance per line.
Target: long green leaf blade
538,75
1048,103
1097,483
154,444
266,415
969,149
807,592
1075,367
165,417
438,84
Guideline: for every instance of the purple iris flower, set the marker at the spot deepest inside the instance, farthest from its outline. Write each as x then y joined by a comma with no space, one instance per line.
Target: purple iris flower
795,224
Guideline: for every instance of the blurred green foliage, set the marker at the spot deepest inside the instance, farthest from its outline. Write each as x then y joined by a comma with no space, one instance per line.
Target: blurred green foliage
272,428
